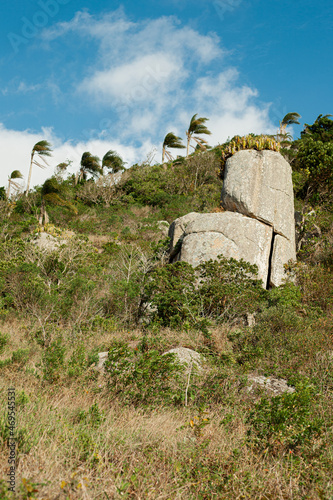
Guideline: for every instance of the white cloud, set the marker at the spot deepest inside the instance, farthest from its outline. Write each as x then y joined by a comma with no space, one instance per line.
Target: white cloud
16,146
134,81
149,77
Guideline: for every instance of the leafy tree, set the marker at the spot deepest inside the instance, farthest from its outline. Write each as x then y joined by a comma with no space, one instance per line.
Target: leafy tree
173,142
89,165
196,127
320,130
315,159
113,162
62,167
54,193
2,193
16,174
41,149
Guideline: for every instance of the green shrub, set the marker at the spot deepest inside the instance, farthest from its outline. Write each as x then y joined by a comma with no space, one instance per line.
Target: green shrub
54,360
77,362
4,339
143,378
21,356
93,417
222,289
285,421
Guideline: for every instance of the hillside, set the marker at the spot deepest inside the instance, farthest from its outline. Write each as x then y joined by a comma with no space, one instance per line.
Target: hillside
147,427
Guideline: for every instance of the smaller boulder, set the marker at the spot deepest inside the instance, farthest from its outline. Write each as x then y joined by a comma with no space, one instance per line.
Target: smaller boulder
102,357
187,356
48,243
271,384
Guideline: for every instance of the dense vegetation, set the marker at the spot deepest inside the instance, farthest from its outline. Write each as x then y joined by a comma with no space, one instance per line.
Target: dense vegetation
148,428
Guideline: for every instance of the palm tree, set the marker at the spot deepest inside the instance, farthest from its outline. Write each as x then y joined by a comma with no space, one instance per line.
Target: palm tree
89,165
196,127
289,119
113,162
16,174
173,142
41,149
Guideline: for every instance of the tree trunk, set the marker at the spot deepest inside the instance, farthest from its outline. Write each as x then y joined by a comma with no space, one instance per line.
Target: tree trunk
188,144
163,154
30,172
8,189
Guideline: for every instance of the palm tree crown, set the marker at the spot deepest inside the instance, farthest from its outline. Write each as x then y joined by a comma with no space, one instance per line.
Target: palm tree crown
171,141
197,126
41,149
289,119
16,174
90,165
113,162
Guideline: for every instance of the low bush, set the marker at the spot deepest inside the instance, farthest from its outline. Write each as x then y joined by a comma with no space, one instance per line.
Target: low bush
144,378
286,421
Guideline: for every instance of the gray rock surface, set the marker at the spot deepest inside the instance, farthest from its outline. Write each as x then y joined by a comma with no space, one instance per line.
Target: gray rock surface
177,228
230,234
271,384
259,184
187,356
283,251
102,357
258,226
48,243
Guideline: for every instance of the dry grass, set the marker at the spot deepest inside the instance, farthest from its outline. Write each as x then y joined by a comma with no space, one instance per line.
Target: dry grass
139,453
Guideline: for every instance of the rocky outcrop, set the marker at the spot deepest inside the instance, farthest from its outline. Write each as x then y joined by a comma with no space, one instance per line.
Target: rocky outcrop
177,230
229,234
258,225
270,384
187,357
259,184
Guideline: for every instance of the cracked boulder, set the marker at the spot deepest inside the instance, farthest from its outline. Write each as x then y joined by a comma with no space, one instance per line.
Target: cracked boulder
259,184
258,226
228,234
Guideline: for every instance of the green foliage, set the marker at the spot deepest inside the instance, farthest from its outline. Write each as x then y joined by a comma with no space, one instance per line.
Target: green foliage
77,362
4,339
171,289
222,289
315,158
94,417
290,118
55,192
143,378
90,165
5,494
285,421
229,288
320,130
287,295
20,356
22,398
54,360
113,162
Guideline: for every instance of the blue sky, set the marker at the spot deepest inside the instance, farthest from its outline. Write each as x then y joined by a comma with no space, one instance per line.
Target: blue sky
93,76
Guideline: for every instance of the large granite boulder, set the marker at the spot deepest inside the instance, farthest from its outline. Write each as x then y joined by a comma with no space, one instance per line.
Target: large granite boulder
228,234
177,230
258,226
259,184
